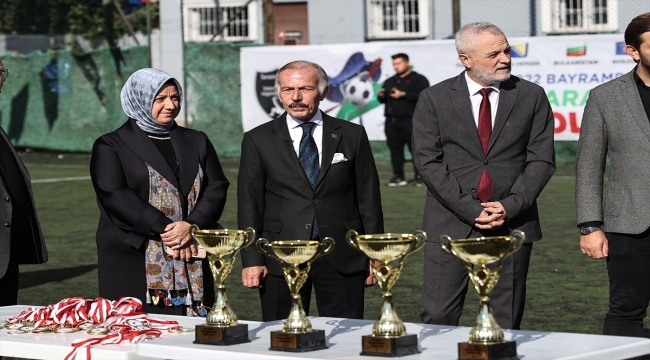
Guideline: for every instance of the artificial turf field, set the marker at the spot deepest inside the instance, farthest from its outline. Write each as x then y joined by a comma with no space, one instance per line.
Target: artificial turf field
567,292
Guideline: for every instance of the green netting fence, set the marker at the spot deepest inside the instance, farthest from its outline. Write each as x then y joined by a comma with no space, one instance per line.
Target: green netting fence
213,94
62,101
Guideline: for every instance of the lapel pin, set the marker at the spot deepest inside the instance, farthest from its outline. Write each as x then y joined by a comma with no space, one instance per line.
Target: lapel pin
334,136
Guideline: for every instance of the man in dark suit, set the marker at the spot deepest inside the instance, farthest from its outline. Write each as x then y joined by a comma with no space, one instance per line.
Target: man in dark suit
483,144
306,175
616,124
21,238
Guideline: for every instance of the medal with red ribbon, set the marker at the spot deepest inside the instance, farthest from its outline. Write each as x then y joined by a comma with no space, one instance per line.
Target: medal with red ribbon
115,321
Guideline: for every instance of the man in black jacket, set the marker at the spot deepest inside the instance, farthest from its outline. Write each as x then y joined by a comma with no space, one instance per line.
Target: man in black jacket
21,238
400,93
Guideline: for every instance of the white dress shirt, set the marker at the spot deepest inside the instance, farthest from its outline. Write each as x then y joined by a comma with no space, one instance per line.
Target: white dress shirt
475,97
295,130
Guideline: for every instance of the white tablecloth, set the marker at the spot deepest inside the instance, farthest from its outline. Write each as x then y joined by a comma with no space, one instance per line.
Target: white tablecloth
343,338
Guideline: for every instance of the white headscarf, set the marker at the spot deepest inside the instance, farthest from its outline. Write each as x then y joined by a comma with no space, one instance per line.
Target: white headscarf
138,95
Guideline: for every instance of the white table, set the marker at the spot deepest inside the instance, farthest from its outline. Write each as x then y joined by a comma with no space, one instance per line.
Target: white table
436,342
343,338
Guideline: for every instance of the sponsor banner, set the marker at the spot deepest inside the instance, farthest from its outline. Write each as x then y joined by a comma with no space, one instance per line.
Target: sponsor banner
567,67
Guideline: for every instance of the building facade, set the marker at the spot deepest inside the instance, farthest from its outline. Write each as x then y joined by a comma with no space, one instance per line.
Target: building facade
300,22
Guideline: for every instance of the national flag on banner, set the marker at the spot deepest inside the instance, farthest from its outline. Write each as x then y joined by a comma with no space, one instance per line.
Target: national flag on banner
519,50
620,48
576,50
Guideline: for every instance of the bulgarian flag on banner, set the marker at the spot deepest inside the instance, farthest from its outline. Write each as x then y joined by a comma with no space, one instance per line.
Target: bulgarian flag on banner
576,50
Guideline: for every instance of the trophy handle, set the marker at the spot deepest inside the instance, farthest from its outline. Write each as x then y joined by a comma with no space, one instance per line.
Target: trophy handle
351,236
517,238
326,245
445,243
250,236
420,240
262,245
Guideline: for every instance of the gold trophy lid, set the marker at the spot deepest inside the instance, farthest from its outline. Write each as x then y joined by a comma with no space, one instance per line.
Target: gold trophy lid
295,251
221,241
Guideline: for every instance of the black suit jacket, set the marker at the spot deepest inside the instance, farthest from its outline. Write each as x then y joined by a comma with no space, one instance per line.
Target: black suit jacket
277,200
28,247
127,220
450,159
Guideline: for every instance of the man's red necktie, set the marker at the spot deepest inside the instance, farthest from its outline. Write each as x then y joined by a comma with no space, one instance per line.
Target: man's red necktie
484,132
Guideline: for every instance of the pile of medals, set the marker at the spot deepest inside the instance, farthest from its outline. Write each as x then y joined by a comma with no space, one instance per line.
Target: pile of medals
111,322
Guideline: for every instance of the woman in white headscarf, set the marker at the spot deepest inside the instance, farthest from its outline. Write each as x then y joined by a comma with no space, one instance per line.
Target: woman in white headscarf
153,180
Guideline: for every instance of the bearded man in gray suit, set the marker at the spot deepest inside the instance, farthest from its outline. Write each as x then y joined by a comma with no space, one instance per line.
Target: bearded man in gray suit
483,145
615,123
21,238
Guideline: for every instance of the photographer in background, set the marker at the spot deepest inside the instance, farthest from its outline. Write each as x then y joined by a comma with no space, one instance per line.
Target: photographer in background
400,93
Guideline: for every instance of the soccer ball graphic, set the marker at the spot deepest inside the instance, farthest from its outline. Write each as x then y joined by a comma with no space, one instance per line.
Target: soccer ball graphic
359,92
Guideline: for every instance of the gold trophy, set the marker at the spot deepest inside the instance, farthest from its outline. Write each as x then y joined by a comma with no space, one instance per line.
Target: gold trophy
486,340
297,334
389,337
222,245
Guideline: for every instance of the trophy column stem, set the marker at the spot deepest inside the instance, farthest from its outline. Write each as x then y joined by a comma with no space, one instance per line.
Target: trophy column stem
297,322
388,324
486,330
221,313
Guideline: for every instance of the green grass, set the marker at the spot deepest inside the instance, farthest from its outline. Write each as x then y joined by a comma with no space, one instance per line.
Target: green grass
567,292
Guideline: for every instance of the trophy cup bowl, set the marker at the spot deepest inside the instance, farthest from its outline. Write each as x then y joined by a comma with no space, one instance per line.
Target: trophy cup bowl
486,336
221,325
389,337
297,334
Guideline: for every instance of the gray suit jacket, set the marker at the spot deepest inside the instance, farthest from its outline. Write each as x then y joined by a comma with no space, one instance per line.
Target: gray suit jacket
31,247
448,155
615,124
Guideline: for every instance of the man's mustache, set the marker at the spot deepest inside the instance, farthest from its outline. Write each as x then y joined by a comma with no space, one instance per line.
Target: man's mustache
298,105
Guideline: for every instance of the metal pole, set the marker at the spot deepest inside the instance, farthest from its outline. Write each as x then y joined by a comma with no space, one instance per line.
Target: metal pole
455,13
148,30
533,18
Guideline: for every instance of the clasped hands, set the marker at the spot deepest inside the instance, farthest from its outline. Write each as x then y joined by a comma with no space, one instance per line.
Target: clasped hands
177,237
492,217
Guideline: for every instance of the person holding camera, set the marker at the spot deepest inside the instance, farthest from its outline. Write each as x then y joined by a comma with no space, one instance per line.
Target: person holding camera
400,93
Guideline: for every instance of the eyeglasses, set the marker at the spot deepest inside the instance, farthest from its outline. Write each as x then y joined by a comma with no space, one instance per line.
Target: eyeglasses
4,73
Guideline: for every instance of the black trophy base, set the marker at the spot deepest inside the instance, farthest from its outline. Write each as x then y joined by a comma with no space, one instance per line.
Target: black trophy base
502,351
389,347
215,335
283,341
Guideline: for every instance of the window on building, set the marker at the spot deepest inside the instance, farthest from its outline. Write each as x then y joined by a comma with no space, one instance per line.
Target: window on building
202,22
579,16
394,19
